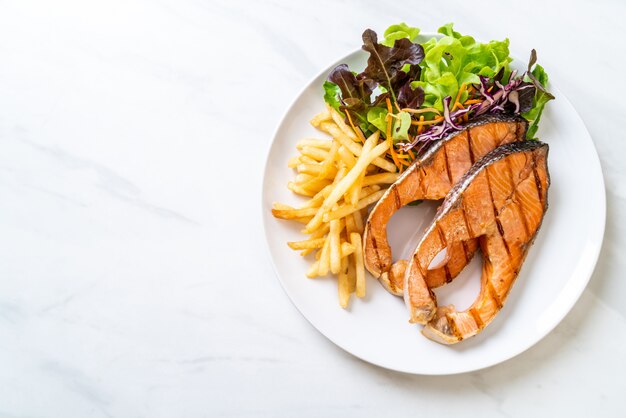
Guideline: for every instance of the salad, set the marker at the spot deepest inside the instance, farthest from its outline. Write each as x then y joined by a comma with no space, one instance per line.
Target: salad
415,94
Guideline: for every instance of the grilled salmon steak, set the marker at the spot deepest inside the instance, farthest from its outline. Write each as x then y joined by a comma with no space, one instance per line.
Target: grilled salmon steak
431,177
500,202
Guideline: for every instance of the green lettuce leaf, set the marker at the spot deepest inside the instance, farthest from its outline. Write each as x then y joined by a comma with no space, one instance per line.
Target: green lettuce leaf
377,116
399,31
456,59
401,125
331,95
539,102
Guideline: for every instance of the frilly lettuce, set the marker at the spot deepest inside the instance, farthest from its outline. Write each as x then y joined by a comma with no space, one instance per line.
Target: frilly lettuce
405,74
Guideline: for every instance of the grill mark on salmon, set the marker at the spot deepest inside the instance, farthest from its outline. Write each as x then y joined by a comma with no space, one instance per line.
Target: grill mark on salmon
396,197
470,150
426,180
537,183
448,275
465,250
421,181
375,246
498,225
495,214
494,295
447,164
453,328
522,216
467,226
476,317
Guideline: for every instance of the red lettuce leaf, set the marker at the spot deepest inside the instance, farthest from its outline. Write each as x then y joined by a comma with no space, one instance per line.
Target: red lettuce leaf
352,86
407,97
385,65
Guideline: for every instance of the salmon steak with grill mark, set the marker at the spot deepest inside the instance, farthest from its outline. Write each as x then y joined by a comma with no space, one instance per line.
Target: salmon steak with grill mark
431,177
501,202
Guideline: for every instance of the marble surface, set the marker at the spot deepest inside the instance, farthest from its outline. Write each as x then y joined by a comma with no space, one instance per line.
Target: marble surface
134,281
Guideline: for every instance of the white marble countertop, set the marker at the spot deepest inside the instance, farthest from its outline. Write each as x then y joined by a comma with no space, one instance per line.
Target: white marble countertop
134,280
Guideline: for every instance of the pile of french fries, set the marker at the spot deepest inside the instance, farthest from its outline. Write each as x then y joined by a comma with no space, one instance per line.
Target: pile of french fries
341,178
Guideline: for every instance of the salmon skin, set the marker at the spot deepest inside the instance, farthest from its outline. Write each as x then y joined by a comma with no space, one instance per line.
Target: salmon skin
431,177
500,202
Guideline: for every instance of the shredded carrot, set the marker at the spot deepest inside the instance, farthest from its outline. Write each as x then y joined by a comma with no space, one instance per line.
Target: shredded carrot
358,132
388,119
411,154
420,127
395,158
461,90
427,122
424,110
459,105
392,151
472,101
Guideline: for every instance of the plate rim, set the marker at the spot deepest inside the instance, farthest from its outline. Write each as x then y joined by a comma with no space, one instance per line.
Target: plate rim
563,312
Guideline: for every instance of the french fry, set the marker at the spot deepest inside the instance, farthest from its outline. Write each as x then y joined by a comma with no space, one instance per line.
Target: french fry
321,231
354,193
352,276
335,246
303,178
293,162
324,261
328,165
320,117
360,266
346,156
317,170
355,147
318,199
307,160
344,285
358,221
315,201
340,178
338,119
297,189
312,142
341,173
281,206
313,270
350,225
314,153
293,213
307,244
345,183
382,178
346,249
314,184
304,220
348,209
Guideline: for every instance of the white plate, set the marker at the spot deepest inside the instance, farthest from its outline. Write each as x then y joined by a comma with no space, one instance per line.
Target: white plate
376,329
